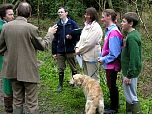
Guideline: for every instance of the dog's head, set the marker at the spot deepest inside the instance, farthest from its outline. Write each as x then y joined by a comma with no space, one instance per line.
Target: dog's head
77,80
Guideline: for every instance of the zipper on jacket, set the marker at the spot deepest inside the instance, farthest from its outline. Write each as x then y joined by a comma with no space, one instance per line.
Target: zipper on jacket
64,37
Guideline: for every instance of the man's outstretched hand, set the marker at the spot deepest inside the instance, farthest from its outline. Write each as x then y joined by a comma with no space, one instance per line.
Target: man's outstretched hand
53,29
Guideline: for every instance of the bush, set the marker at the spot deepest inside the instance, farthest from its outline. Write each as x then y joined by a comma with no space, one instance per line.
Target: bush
49,8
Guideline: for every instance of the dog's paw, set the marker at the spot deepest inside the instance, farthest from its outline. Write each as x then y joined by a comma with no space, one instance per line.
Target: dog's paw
71,82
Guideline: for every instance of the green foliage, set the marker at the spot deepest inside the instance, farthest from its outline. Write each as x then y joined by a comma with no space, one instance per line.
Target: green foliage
76,10
49,8
71,100
118,5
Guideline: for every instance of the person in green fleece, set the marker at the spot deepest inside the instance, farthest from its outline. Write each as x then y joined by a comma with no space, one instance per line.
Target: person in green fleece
6,15
131,62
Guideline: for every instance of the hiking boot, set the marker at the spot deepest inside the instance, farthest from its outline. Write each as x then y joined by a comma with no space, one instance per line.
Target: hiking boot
109,111
136,108
18,111
128,108
8,104
60,85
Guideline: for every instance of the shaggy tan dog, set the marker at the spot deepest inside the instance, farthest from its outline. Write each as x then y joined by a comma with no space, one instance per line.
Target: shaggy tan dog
92,91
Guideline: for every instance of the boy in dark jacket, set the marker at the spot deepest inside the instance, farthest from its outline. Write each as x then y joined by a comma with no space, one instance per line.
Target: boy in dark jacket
63,45
131,62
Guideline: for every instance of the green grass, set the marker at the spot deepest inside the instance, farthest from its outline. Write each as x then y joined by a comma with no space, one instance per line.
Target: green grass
71,100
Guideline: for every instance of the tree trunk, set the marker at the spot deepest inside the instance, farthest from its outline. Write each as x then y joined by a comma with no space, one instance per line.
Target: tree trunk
110,4
14,1
38,13
100,5
104,4
4,1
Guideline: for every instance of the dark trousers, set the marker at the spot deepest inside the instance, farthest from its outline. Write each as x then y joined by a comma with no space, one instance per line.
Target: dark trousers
111,76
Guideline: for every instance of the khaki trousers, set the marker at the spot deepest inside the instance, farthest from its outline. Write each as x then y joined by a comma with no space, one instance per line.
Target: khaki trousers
91,69
70,58
25,92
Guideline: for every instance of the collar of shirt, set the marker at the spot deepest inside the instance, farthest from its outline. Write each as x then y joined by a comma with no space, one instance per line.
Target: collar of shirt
21,18
88,25
110,27
64,21
2,21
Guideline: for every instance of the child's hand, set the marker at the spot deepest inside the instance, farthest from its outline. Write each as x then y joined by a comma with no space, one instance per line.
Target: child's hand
68,36
77,51
55,56
127,80
100,61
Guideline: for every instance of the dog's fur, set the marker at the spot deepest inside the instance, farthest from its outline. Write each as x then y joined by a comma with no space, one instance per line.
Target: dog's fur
92,91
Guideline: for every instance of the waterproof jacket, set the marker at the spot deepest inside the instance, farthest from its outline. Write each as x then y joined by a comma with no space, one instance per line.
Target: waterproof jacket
61,44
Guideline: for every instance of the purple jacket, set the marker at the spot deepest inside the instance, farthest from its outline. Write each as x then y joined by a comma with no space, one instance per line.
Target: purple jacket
112,48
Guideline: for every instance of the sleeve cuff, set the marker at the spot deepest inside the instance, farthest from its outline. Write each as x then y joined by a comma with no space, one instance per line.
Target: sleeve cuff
102,59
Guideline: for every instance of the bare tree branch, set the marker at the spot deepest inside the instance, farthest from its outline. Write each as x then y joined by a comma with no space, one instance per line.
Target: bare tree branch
147,33
99,4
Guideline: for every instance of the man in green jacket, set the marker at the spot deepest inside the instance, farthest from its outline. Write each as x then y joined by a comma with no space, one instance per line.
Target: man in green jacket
131,62
6,15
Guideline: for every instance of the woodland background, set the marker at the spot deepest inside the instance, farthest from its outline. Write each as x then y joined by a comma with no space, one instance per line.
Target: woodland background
72,100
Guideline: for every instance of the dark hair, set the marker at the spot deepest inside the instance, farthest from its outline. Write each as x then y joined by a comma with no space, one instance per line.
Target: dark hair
131,17
112,13
93,13
65,9
24,9
3,8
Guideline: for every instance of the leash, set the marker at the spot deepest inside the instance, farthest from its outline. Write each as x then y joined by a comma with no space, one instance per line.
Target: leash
97,68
